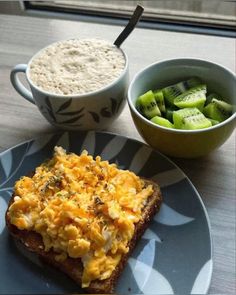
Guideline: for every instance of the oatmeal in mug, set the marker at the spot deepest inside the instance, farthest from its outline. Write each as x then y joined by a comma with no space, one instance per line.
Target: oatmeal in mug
77,66
76,84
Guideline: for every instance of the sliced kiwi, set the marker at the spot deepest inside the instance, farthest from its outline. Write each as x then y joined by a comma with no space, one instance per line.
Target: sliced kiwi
146,104
213,122
159,97
218,110
172,91
169,113
190,119
193,82
193,98
211,96
162,122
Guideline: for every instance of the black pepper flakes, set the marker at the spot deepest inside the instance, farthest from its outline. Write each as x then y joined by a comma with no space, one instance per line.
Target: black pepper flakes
98,201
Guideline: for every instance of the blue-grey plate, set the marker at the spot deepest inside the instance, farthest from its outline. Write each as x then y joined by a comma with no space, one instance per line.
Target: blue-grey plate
173,257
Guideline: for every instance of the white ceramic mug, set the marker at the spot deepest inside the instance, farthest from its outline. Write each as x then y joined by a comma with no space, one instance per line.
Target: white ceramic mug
89,111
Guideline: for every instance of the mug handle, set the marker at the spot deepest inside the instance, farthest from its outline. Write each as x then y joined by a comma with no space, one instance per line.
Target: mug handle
20,88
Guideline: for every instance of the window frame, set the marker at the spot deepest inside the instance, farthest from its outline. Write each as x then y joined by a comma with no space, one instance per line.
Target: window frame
107,17
163,23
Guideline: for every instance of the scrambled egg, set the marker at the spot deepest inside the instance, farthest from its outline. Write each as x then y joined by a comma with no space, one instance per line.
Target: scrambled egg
83,208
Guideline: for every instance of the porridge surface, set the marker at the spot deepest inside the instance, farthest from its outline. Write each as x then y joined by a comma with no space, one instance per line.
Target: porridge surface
76,66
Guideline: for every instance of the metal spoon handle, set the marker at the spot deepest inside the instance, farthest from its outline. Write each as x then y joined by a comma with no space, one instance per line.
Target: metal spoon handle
130,26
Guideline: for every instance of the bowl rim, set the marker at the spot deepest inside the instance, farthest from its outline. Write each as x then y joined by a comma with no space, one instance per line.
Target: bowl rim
83,95
133,108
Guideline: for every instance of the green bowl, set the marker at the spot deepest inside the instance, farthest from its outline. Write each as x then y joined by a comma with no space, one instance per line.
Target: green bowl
184,143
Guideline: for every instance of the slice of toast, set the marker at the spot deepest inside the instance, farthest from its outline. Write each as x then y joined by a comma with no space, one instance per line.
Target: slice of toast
73,267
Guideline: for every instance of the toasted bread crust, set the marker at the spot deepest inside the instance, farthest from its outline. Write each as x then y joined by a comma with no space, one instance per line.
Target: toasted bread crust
73,267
